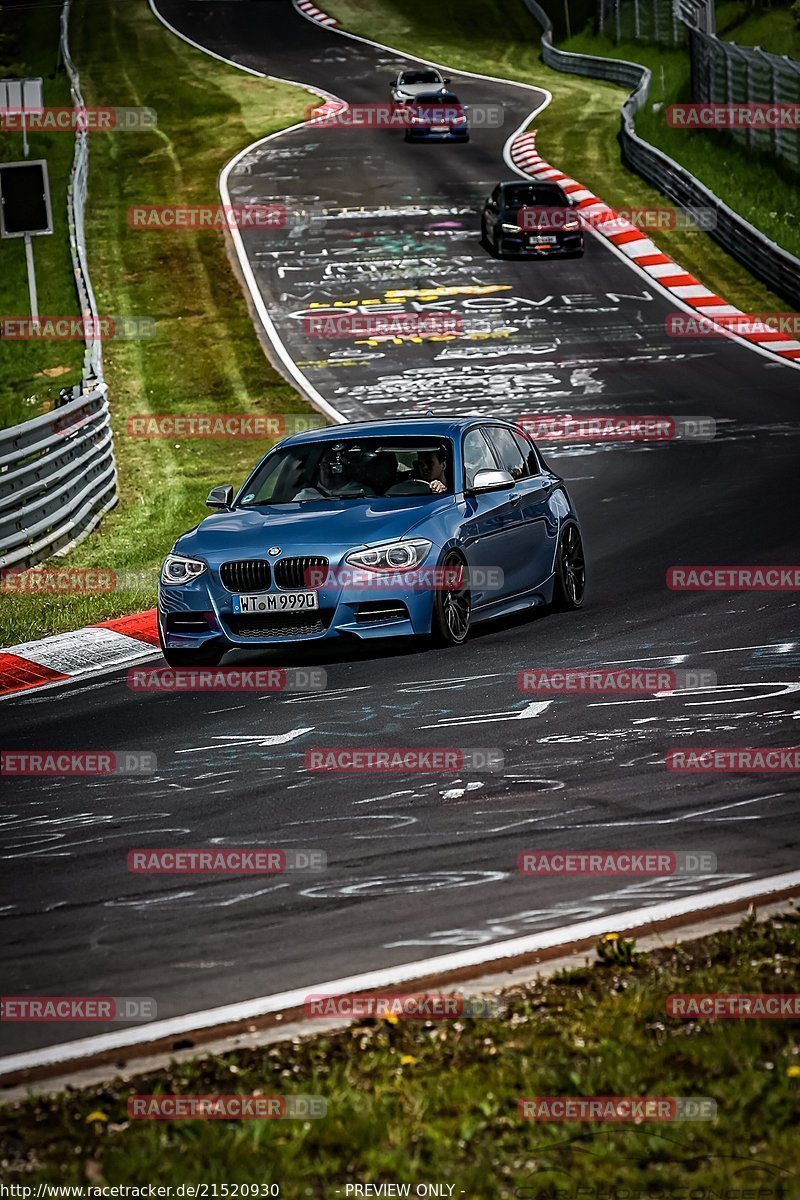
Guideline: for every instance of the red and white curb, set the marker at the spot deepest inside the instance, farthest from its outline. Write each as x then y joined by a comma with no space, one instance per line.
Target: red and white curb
314,13
644,253
67,656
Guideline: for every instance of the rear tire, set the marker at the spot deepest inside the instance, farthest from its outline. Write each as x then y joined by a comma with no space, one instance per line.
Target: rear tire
452,608
570,584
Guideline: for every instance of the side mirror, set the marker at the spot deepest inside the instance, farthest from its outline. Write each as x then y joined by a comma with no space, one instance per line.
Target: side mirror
445,81
220,497
491,481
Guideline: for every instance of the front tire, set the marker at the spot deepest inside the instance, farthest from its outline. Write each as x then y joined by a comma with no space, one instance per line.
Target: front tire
570,584
452,607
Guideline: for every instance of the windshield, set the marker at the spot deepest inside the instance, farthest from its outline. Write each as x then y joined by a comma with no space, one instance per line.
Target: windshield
537,194
420,77
352,469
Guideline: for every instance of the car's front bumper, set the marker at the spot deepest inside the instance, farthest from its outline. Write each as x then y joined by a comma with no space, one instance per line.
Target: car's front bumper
199,613
568,243
452,135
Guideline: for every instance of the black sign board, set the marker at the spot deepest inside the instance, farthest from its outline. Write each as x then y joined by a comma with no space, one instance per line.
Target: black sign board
24,199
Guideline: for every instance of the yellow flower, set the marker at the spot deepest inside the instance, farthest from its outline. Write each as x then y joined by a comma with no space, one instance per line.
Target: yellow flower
96,1115
793,1072
610,937
391,1017
409,1060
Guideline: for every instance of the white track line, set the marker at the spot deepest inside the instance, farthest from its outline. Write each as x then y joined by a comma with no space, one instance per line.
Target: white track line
229,1014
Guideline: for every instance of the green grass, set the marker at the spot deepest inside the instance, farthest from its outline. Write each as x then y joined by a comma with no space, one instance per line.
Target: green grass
740,178
205,355
773,29
32,373
577,132
419,1102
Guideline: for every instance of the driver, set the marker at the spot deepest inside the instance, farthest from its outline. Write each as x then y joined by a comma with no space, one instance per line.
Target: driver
431,467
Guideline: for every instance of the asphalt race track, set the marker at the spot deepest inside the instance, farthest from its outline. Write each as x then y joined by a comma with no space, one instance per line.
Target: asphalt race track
419,865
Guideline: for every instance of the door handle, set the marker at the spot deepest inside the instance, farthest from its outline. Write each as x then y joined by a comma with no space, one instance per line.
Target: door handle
514,498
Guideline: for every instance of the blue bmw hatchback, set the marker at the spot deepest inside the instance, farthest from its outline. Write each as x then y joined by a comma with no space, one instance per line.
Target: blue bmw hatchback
422,526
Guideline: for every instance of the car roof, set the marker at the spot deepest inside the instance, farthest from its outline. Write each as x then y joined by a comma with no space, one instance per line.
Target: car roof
449,427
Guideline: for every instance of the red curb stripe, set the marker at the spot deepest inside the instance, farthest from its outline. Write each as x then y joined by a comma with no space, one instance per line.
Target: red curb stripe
681,280
771,336
703,301
788,353
17,674
652,260
630,235
142,626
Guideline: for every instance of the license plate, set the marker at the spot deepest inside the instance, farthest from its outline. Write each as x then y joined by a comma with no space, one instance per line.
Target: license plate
440,128
277,602
543,239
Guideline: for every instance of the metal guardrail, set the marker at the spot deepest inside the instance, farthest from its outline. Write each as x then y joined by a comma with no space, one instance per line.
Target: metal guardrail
772,265
57,472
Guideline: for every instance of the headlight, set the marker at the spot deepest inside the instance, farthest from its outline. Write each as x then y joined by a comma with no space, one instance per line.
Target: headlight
511,228
392,556
177,569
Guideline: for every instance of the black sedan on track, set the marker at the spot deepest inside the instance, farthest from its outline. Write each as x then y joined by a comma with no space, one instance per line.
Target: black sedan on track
534,219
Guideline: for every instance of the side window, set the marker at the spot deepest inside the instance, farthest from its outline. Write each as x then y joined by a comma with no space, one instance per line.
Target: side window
495,196
477,456
529,454
511,457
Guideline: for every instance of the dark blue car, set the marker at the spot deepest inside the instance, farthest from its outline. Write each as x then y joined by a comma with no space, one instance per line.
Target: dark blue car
421,526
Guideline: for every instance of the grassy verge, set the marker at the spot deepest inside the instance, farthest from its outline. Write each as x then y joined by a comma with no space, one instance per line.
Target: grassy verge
31,373
774,29
205,356
578,130
416,1102
753,185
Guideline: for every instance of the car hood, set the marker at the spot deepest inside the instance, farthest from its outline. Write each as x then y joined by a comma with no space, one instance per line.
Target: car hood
304,528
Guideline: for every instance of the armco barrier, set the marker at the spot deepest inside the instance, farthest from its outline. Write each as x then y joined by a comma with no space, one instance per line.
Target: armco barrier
57,478
57,472
774,266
